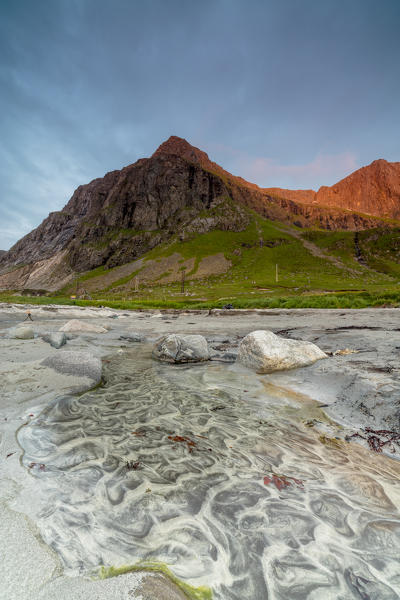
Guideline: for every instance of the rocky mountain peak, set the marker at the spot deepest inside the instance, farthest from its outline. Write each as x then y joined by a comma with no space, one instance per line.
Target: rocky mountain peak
181,147
374,189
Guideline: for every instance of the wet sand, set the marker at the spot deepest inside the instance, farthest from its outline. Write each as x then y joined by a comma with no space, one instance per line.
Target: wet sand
357,390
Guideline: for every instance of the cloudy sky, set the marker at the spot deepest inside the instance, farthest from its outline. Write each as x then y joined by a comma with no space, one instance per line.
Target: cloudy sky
289,93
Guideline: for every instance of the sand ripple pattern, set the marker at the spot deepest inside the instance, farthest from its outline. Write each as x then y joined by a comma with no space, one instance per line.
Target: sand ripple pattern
200,441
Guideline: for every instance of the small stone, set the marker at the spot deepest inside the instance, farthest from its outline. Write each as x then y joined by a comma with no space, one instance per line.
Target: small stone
56,339
132,337
228,357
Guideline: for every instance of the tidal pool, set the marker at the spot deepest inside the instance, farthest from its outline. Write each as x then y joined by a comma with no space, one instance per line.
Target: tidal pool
206,469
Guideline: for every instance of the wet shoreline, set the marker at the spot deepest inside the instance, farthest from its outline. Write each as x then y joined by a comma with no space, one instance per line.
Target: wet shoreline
313,386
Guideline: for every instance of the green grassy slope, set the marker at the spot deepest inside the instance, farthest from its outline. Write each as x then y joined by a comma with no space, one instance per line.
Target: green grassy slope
334,270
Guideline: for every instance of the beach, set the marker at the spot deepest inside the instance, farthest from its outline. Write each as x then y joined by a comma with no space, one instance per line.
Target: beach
355,389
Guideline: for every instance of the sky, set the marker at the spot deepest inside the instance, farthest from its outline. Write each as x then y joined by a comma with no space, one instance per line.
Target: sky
286,93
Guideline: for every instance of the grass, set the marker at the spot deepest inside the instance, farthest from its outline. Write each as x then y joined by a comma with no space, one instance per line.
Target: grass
380,248
254,265
305,280
343,300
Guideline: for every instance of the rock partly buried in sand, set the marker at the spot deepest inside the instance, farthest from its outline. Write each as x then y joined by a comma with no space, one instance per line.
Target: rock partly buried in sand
175,348
159,587
82,327
229,357
23,333
80,364
132,337
56,339
266,352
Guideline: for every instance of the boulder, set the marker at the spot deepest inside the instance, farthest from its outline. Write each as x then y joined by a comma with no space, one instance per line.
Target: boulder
23,333
266,352
82,327
56,339
175,348
79,364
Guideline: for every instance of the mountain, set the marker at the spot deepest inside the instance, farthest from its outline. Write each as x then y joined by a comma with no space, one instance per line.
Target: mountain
178,192
372,190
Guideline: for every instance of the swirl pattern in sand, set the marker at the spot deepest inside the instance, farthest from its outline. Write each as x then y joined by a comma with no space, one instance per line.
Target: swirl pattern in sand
200,468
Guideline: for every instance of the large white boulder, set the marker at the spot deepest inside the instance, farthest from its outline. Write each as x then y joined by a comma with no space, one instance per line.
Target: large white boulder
175,348
79,364
266,352
77,326
23,332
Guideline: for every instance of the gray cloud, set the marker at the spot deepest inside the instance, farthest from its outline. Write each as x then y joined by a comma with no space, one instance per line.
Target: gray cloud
288,94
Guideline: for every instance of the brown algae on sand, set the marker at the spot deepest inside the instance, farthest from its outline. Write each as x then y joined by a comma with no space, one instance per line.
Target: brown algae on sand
191,592
330,442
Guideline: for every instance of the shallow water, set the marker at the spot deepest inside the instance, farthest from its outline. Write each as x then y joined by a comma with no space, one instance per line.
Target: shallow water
226,485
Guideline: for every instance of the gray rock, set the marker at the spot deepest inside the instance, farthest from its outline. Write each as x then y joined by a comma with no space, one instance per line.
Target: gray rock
266,352
56,339
132,337
229,357
219,339
159,587
23,333
175,348
80,364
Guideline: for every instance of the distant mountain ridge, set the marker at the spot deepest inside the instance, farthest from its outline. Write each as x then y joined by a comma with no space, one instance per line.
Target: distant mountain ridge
179,191
373,190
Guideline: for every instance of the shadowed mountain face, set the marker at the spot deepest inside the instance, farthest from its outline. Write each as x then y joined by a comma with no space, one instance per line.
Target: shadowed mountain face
179,191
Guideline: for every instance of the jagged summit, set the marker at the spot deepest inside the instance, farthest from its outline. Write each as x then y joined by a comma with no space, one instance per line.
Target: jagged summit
181,147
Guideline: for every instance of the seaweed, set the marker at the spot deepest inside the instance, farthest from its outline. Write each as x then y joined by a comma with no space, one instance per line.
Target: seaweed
379,438
183,440
282,481
192,593
328,441
132,466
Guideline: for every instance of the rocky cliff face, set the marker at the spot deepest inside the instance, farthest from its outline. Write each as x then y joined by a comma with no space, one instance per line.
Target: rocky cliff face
119,217
126,213
373,190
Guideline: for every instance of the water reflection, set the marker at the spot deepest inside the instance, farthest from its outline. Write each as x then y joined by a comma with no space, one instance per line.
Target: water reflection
202,468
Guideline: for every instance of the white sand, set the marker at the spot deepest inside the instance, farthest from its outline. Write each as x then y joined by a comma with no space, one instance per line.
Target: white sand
30,570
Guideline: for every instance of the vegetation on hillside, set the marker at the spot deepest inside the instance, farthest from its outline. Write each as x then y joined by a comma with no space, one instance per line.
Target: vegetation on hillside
269,265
